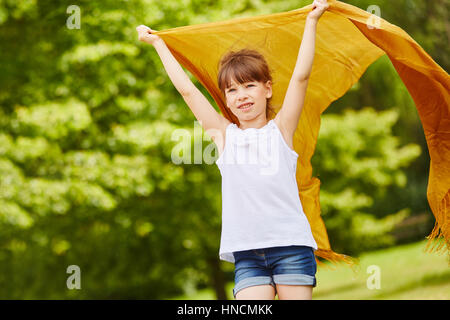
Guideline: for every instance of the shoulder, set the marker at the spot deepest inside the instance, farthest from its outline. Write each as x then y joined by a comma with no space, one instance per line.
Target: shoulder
277,121
225,123
288,137
222,134
220,128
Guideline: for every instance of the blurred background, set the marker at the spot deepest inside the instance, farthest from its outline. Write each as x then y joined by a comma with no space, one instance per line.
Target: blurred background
86,176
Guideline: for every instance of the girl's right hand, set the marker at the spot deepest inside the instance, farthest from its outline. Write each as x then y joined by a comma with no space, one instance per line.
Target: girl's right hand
145,34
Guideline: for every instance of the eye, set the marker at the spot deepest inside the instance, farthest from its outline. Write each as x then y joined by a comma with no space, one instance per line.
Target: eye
248,85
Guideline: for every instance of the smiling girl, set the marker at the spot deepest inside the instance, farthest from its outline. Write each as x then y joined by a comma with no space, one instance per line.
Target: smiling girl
265,232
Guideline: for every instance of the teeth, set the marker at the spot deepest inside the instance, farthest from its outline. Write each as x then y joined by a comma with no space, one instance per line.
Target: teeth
245,105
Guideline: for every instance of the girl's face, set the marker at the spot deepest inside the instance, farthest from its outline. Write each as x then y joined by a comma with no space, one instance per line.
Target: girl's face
254,92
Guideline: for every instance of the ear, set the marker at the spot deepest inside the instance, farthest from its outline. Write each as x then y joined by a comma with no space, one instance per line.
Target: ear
269,89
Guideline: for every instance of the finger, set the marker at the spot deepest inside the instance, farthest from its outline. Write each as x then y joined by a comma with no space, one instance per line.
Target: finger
142,29
145,28
322,5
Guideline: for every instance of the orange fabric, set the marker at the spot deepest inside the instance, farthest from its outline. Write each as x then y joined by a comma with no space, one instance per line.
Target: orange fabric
346,44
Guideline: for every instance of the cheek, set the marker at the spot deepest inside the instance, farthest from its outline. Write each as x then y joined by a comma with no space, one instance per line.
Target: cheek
262,95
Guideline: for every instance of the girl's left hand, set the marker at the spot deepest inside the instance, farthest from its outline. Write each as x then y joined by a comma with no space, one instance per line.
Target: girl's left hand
318,8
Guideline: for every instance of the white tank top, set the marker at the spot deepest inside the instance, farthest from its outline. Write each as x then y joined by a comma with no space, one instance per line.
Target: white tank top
260,202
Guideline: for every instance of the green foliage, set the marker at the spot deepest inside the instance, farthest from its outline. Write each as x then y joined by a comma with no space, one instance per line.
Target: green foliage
360,159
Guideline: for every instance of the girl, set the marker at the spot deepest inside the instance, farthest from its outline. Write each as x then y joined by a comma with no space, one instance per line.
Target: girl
265,232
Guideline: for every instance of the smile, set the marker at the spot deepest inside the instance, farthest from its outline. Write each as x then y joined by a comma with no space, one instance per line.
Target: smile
246,106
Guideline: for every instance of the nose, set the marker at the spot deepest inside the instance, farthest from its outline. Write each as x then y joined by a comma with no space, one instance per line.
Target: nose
241,94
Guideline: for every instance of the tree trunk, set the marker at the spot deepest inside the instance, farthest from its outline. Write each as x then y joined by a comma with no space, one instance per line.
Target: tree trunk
217,278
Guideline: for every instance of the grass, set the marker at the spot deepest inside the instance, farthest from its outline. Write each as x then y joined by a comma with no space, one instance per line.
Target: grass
406,272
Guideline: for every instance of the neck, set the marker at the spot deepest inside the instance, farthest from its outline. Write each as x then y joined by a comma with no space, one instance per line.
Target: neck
254,123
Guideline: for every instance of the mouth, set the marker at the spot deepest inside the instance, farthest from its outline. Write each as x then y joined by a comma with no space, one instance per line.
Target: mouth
245,106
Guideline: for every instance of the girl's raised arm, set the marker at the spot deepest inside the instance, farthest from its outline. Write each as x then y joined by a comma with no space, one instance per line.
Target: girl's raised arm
197,102
289,114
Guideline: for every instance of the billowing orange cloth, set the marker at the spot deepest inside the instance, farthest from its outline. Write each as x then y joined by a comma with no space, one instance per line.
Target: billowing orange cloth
348,40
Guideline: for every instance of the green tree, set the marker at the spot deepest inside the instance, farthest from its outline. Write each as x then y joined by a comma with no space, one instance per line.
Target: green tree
87,176
361,161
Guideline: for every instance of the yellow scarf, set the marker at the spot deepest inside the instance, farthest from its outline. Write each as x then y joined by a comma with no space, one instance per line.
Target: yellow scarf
348,41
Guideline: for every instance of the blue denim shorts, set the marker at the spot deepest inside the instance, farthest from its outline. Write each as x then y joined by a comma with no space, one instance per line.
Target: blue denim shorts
291,265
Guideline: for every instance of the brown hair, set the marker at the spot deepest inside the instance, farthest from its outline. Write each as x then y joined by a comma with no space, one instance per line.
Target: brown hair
244,65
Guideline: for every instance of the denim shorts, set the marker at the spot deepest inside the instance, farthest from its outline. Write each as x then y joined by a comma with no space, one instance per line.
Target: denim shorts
291,265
